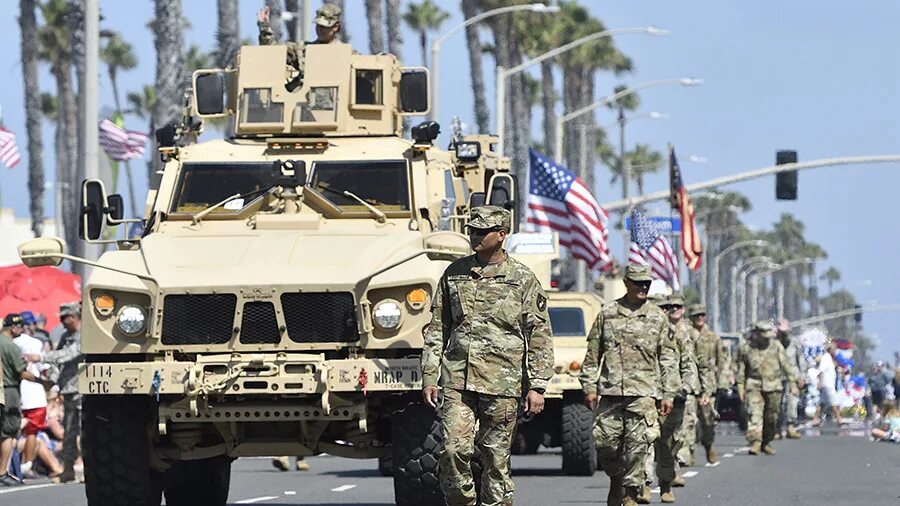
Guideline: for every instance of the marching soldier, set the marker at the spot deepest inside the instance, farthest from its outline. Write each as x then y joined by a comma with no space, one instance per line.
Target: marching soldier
762,366
489,342
797,360
629,373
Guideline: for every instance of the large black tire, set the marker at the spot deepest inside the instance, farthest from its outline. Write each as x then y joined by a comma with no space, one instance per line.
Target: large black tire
579,454
192,482
115,444
416,441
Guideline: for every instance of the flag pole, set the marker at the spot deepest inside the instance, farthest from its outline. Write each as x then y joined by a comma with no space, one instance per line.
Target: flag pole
679,254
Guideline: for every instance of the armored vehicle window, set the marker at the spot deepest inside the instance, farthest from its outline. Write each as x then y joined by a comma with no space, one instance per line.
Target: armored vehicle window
204,184
384,184
257,107
567,321
368,87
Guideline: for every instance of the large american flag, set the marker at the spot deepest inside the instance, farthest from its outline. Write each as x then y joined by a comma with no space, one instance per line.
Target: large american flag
9,152
121,144
649,247
681,200
558,201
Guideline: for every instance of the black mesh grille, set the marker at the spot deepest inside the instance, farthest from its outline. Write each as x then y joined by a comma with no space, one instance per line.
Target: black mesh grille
258,325
198,319
320,317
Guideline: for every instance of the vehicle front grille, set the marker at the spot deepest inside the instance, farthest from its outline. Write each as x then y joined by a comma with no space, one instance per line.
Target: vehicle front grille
198,319
320,317
258,324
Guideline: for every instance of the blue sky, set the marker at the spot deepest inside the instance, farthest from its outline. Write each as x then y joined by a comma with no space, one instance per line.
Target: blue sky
818,77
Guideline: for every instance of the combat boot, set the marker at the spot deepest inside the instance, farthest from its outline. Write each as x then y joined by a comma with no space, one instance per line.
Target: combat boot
678,481
777,435
768,450
301,465
281,463
616,491
792,432
644,497
711,456
631,496
665,492
754,448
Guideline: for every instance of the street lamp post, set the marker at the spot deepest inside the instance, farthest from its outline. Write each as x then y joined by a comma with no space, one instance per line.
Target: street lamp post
502,73
754,285
715,275
735,269
436,45
704,264
624,93
745,303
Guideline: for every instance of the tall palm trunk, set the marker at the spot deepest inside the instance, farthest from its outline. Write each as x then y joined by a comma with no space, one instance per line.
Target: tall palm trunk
114,81
375,18
27,29
423,46
76,148
228,35
572,77
293,25
169,42
67,146
476,71
548,104
395,37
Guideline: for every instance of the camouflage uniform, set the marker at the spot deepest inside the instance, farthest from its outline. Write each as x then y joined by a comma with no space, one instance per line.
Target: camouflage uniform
789,401
761,368
630,363
489,341
713,368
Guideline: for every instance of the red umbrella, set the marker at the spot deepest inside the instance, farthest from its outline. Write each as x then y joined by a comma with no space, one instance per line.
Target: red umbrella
39,290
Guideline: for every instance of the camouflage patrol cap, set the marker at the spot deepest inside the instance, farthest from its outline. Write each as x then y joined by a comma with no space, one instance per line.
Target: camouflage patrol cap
70,309
696,310
637,272
676,299
489,217
328,15
764,328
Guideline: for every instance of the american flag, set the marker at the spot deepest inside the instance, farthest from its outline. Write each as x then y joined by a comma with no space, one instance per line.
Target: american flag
558,201
121,144
649,247
9,152
681,200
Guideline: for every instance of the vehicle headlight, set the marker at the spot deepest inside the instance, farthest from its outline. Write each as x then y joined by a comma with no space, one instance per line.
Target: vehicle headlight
387,314
132,320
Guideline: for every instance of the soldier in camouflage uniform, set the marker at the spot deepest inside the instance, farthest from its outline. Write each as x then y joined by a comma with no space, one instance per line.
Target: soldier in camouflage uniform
631,365
713,368
762,366
797,360
488,342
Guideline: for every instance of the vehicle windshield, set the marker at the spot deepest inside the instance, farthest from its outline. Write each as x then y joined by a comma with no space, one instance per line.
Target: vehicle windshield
204,184
383,184
567,321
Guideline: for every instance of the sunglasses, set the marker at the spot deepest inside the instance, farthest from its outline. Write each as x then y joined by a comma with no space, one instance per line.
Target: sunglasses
483,231
675,307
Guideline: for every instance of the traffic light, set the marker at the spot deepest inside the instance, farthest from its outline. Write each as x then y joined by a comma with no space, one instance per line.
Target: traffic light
858,316
786,182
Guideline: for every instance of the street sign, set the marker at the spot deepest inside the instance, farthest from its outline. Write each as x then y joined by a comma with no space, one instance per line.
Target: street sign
665,224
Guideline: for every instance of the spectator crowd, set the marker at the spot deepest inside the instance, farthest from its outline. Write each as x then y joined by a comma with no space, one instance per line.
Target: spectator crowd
40,408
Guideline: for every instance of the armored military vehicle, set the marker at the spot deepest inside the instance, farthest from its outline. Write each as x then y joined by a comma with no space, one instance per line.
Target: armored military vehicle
275,301
565,422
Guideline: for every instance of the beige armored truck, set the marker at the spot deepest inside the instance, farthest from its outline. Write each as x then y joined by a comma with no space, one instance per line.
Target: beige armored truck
565,422
275,301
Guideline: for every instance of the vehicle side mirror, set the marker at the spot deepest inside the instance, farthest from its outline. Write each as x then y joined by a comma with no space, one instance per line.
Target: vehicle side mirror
502,191
115,209
414,91
42,251
93,209
210,96
477,199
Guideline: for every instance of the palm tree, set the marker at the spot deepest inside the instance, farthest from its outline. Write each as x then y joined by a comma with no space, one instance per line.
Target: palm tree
375,18
643,160
627,103
394,35
831,276
119,55
169,41
423,18
27,29
545,35
228,34
476,70
55,47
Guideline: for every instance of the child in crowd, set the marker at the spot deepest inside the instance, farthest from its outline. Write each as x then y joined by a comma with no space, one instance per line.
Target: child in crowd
890,428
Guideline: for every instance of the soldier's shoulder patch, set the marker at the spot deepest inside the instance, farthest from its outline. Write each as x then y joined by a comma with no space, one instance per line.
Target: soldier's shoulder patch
541,302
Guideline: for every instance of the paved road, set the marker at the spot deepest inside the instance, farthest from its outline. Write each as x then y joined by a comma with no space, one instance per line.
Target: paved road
830,468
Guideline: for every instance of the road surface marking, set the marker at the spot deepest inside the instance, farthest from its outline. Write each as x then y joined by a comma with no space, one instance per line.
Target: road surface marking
741,449
26,487
728,455
654,490
343,488
257,499
689,474
710,465
290,492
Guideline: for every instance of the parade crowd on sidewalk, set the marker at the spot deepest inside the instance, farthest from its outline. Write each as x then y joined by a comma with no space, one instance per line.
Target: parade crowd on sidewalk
40,407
